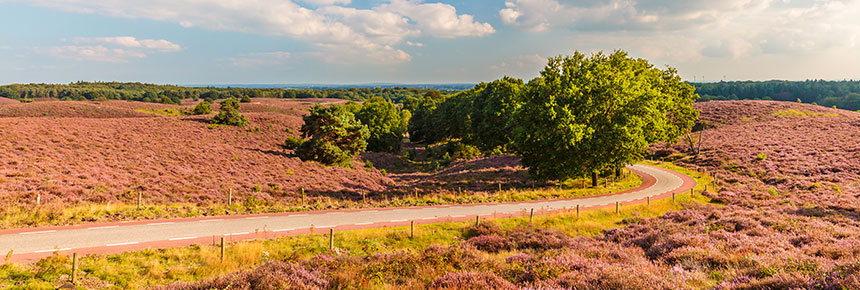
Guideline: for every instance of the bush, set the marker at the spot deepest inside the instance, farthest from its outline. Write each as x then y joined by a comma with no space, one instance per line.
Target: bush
471,280
490,243
483,228
384,124
245,99
332,136
229,114
540,239
203,108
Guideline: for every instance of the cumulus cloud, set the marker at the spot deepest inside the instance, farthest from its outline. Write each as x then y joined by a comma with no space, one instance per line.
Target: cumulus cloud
374,32
730,28
110,49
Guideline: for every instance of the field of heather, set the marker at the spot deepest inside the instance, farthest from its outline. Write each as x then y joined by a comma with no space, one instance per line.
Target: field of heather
98,154
787,216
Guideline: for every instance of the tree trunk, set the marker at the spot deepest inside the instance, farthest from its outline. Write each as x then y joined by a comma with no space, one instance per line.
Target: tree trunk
618,173
594,179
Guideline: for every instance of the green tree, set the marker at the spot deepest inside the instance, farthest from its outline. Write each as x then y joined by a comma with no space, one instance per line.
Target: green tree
584,114
493,112
202,108
229,114
331,135
383,122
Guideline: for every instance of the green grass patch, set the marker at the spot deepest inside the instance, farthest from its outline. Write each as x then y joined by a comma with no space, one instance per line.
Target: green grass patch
168,112
143,269
801,113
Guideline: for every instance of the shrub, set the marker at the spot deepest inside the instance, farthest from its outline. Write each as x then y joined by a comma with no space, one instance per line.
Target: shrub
332,136
229,114
269,276
245,99
540,239
471,280
203,108
483,228
761,157
490,243
384,124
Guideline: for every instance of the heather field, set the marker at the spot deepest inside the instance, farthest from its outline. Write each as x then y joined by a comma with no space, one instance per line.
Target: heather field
785,216
89,161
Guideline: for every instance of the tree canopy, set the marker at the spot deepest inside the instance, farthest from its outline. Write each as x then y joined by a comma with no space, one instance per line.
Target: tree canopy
331,135
382,119
229,114
587,114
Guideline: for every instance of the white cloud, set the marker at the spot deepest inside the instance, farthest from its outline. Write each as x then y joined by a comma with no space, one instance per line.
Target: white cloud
415,44
695,28
365,33
128,41
326,2
110,49
98,53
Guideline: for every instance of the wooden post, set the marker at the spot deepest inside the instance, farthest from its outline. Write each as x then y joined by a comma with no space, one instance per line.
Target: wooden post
616,207
532,216
649,201
477,219
74,268
303,195
691,192
331,239
412,229
230,198
222,249
594,179
39,199
577,211
706,187
363,196
500,188
459,191
139,199
673,196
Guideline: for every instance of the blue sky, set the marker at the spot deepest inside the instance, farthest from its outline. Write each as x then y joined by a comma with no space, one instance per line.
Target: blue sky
410,41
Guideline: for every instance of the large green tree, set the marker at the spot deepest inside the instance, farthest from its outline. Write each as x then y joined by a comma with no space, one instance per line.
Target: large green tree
493,111
588,114
383,122
332,136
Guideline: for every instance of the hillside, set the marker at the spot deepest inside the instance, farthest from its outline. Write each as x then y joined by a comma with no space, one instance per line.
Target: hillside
788,217
109,151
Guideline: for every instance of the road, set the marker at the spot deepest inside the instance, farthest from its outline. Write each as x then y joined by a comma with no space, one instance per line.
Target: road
31,244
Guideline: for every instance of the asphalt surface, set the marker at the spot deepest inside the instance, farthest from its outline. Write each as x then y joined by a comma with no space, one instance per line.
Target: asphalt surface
31,244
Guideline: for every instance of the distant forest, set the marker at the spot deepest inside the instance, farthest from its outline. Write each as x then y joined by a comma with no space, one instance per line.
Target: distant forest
169,94
842,94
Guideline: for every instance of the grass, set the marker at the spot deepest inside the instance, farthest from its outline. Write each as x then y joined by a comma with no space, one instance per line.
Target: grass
168,112
801,113
142,269
65,214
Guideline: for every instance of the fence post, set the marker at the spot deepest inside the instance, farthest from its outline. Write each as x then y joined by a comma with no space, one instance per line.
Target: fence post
74,268
222,249
532,216
39,199
673,196
331,239
459,191
363,196
412,229
616,207
303,195
691,192
577,211
477,219
230,198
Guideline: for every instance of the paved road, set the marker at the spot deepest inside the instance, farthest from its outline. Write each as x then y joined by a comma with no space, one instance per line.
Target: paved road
32,244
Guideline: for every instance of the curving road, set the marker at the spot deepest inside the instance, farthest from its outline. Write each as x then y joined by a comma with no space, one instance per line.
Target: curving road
34,243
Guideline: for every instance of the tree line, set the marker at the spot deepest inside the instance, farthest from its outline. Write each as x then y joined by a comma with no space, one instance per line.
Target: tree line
583,116
842,94
169,94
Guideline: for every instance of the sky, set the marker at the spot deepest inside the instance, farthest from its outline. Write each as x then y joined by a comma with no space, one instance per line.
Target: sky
412,41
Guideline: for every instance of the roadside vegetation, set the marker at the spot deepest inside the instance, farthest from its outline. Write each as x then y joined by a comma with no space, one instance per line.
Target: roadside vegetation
365,259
